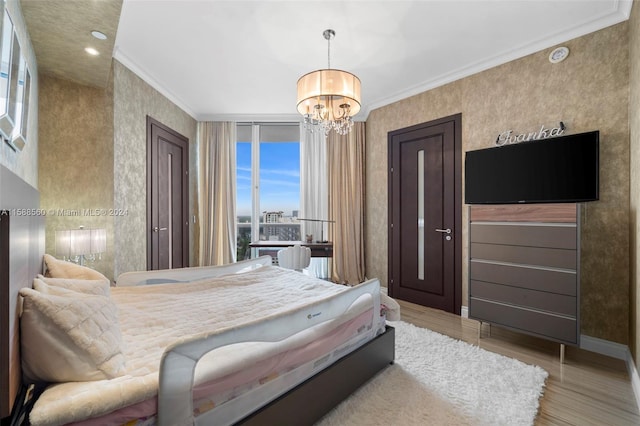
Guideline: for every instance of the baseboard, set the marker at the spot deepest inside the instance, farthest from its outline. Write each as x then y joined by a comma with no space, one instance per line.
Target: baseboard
618,351
635,379
464,312
604,347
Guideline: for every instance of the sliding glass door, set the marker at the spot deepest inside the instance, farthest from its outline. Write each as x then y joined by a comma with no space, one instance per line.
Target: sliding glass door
268,183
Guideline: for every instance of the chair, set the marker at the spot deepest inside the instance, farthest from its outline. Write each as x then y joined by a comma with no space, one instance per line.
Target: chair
294,257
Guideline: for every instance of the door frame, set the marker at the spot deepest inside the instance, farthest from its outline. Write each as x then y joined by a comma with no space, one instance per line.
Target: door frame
457,234
183,141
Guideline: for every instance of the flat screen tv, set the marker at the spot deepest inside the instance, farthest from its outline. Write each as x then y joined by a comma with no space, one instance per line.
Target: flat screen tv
555,170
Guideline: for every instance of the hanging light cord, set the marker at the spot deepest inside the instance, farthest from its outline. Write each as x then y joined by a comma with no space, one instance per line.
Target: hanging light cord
328,35
329,52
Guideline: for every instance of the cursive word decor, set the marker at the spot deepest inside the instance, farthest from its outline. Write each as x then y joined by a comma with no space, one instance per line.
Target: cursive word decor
508,137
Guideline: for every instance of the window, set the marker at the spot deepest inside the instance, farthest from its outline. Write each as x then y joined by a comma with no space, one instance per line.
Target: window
268,184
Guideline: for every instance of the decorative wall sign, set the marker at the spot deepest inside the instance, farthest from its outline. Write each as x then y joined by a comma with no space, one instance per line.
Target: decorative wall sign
12,113
19,136
509,137
15,86
6,125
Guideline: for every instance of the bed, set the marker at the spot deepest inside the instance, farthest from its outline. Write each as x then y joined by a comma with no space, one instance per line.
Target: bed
302,390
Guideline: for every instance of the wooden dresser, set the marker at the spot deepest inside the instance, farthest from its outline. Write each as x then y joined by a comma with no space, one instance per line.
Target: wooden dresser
524,268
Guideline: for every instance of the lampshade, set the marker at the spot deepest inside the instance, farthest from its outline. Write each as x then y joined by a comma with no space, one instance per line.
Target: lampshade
63,243
80,242
329,92
329,97
98,241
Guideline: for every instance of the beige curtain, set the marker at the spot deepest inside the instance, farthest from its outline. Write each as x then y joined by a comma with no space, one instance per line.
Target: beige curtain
345,159
217,192
313,192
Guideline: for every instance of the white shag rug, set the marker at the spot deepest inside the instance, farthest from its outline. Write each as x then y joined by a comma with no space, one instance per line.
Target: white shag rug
437,380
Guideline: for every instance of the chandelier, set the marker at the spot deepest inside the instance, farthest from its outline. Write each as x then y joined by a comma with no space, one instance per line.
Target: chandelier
329,98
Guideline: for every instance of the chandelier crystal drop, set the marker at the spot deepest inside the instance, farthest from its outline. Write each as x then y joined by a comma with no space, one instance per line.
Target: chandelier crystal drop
329,98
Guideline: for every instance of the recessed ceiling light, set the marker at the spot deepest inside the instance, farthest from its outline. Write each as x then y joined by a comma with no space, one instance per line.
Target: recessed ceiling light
91,51
99,35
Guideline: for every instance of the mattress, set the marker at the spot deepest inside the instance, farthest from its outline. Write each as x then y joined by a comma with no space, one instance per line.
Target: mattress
149,316
281,368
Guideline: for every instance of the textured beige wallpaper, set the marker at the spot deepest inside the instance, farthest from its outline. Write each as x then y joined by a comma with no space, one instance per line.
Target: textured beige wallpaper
588,91
634,130
93,158
134,99
76,161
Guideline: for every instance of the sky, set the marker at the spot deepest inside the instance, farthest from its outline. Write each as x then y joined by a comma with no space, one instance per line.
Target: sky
279,177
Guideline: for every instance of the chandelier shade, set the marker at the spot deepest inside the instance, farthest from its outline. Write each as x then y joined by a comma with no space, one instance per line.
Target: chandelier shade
329,91
329,97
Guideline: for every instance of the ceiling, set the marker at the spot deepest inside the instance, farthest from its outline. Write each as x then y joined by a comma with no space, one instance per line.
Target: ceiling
240,60
61,29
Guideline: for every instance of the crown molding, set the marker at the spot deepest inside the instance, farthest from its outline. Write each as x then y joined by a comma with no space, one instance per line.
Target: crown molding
619,13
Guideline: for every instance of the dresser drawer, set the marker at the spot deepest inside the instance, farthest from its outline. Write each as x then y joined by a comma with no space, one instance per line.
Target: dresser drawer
550,257
549,280
559,236
539,300
539,323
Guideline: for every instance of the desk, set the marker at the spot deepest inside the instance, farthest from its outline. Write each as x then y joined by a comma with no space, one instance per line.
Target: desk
272,247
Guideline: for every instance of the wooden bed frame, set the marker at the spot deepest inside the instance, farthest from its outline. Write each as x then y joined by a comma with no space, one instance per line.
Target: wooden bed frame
21,251
312,399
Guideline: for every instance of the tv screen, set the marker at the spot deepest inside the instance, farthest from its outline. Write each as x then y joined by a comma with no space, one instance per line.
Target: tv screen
554,170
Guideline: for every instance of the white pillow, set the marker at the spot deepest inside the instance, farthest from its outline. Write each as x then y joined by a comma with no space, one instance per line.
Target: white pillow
69,336
56,268
99,287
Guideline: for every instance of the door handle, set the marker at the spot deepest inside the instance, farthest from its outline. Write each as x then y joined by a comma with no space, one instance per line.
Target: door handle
156,229
445,231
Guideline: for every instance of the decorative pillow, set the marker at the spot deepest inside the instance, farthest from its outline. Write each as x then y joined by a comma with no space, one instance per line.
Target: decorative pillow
69,336
62,269
99,287
390,307
42,287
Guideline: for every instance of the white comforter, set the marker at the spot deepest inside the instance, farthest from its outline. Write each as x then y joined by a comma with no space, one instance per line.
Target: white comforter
156,316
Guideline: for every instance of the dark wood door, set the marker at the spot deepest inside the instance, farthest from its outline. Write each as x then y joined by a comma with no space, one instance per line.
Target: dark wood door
425,214
167,197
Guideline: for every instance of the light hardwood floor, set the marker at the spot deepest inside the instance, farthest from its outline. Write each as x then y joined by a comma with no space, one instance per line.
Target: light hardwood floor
588,389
